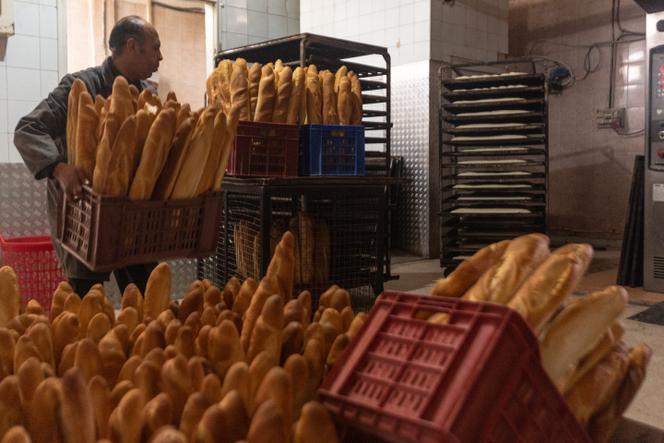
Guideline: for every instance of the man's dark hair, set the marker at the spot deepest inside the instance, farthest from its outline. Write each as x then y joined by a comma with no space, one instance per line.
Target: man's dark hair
128,27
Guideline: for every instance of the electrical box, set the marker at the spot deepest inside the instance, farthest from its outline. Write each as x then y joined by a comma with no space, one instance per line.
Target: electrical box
610,118
6,18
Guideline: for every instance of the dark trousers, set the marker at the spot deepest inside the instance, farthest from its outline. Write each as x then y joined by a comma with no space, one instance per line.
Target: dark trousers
136,274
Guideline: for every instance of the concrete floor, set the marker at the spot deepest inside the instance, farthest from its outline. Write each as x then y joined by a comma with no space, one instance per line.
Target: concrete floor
418,276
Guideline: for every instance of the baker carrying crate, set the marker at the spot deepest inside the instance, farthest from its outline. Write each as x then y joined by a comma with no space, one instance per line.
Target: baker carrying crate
40,137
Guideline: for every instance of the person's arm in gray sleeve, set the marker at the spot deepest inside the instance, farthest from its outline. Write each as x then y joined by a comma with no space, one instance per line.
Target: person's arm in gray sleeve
35,138
36,133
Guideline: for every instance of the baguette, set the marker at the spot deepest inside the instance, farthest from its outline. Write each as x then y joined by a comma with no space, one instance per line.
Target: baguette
100,324
344,101
338,347
212,426
155,154
267,425
30,375
295,100
10,297
224,347
158,413
236,416
282,266
292,340
356,90
604,423
500,283
283,93
296,367
314,97
266,96
176,383
85,143
610,338
598,386
330,115
211,388
192,413
549,286
276,386
157,291
7,344
104,159
42,412
122,161
469,271
341,73
191,173
100,397
126,421
122,103
16,434
315,424
225,68
76,418
243,299
254,80
577,329
87,359
77,88
294,311
232,122
168,434
238,378
239,89
176,157
211,166
257,372
266,334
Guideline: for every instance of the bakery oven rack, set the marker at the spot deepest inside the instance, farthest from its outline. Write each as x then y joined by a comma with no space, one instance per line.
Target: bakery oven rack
494,156
257,211
372,65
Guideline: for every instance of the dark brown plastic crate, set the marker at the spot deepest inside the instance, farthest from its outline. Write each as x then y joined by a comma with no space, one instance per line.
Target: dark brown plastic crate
106,233
265,150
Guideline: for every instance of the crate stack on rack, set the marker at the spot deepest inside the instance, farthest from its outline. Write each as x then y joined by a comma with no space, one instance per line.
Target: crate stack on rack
494,157
340,190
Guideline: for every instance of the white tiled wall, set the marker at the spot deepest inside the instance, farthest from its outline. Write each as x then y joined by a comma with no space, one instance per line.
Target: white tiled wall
29,70
252,21
403,26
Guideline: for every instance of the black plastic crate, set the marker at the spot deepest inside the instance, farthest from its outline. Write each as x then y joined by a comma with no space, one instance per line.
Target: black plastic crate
346,220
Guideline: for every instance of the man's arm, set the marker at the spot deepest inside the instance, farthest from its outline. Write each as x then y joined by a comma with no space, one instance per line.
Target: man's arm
35,138
36,133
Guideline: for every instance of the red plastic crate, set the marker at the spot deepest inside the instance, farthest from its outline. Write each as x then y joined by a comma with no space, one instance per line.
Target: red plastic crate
37,267
477,378
264,150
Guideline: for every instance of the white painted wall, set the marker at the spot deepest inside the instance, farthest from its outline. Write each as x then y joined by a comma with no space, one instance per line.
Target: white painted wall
252,21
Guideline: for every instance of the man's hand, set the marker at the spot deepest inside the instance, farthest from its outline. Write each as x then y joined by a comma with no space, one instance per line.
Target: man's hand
70,179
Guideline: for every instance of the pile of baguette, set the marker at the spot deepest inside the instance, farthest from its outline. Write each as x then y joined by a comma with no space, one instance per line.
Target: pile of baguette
131,144
279,94
242,363
580,337
312,248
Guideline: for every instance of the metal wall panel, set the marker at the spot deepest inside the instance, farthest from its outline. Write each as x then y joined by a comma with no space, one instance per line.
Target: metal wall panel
410,139
22,202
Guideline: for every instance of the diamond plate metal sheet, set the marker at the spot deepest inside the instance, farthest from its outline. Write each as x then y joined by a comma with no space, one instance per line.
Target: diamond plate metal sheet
410,139
22,202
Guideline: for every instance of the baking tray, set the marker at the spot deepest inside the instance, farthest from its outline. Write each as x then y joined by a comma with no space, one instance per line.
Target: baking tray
518,91
482,82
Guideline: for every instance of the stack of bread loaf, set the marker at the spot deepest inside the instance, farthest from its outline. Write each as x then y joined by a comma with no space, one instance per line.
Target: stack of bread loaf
279,94
580,337
312,248
241,363
132,144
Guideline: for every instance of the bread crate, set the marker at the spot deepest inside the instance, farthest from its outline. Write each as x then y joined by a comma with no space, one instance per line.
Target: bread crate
331,150
107,233
36,266
264,150
475,378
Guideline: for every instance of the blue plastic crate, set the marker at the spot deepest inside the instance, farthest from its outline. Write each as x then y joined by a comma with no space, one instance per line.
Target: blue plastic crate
331,150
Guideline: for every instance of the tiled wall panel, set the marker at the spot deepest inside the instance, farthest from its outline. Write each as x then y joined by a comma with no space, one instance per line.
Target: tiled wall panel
253,21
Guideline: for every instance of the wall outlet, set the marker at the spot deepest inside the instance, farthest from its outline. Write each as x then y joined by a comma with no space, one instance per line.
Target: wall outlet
610,118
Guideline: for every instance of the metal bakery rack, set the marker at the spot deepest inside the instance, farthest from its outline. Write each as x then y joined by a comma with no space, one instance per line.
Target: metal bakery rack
372,65
494,156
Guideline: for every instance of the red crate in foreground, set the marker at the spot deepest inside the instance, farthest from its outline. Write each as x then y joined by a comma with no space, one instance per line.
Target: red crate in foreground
36,266
477,378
